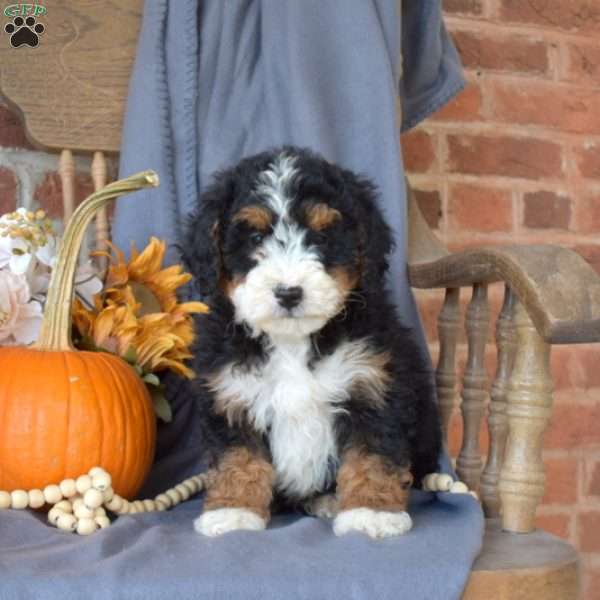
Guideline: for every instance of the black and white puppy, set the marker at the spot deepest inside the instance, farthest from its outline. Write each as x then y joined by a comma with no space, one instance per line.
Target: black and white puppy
308,382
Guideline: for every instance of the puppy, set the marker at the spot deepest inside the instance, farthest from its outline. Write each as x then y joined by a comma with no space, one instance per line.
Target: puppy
308,383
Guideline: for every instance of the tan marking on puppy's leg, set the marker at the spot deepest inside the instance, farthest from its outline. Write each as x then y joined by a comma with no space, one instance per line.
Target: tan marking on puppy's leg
370,481
243,479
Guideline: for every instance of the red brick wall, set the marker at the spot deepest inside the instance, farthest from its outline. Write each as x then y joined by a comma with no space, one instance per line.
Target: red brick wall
516,158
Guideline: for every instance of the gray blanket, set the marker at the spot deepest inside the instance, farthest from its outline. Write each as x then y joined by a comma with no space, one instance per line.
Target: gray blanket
216,80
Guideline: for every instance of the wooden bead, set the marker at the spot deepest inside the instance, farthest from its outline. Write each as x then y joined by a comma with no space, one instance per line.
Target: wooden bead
52,494
36,498
173,494
458,487
65,506
160,506
67,488
86,526
191,486
103,522
164,499
108,495
83,512
101,481
19,499
93,498
139,505
429,482
83,484
443,482
199,481
100,512
115,504
182,491
66,522
96,471
54,514
149,505
5,500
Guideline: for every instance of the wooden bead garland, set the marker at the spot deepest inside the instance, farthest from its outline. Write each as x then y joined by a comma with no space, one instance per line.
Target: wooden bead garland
442,482
79,505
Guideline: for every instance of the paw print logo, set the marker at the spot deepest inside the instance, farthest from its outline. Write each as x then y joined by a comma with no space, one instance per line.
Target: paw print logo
24,32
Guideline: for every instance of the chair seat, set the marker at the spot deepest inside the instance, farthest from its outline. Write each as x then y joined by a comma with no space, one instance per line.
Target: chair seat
515,566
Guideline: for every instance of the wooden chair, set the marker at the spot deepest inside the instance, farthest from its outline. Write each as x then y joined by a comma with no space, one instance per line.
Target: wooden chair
71,95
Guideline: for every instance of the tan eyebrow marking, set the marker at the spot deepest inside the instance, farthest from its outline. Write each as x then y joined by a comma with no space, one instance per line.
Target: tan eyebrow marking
256,216
320,216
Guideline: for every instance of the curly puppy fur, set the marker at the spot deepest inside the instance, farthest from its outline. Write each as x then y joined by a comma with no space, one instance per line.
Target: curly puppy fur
372,481
302,361
243,479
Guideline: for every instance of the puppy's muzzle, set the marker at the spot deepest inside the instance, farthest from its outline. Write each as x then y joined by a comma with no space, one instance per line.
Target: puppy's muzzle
288,297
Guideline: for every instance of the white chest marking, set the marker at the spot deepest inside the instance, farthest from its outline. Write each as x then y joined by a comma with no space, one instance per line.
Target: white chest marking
296,406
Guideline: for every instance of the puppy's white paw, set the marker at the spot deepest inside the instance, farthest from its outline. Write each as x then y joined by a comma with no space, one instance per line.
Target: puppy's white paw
220,521
375,523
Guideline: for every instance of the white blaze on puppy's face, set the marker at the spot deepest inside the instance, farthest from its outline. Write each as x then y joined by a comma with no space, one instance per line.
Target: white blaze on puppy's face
284,260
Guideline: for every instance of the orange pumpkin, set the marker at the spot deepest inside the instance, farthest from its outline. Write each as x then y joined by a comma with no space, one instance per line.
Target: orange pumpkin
63,411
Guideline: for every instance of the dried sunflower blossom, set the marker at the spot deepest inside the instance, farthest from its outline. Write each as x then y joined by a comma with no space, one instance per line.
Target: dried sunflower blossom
139,317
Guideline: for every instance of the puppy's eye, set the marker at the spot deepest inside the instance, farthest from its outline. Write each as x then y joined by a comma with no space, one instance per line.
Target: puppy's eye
257,238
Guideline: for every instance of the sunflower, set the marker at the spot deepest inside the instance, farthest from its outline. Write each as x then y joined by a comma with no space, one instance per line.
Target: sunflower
138,315
154,287
159,348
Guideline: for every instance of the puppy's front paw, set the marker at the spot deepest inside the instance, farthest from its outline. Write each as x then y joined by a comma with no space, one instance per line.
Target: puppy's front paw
375,523
220,521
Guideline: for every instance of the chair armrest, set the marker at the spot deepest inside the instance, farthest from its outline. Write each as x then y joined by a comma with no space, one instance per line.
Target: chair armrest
559,290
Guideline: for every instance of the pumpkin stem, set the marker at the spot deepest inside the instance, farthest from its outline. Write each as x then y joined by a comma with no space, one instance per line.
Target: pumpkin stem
55,333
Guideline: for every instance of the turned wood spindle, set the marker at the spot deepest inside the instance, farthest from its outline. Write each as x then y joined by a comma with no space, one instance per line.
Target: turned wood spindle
474,394
529,404
445,374
497,420
66,171
99,177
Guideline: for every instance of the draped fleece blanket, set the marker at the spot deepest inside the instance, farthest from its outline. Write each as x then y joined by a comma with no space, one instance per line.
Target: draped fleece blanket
216,80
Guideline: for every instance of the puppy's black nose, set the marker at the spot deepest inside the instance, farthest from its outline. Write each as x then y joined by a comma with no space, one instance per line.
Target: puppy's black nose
288,297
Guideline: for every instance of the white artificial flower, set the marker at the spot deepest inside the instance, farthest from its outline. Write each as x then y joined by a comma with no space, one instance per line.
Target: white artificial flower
20,316
25,239
87,283
46,254
39,280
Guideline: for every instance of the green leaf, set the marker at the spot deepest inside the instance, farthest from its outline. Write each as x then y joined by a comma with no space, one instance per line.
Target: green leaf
130,356
161,404
151,379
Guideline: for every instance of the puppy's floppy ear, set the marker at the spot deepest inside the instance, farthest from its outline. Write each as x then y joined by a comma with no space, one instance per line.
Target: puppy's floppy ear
203,234
375,235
